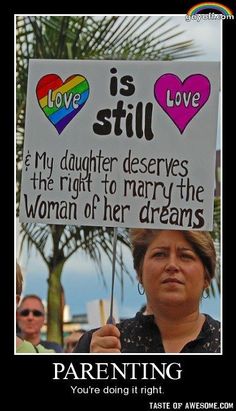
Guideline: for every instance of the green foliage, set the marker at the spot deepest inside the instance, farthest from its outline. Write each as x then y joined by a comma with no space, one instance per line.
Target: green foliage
64,241
216,234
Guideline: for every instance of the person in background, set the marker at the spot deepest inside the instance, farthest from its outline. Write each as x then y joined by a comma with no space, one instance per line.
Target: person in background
174,269
23,346
30,319
71,340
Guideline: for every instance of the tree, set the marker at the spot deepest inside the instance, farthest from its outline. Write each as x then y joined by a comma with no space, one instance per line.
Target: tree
216,234
82,37
65,241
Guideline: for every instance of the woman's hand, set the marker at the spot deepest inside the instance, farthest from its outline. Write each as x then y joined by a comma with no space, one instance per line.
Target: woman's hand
106,339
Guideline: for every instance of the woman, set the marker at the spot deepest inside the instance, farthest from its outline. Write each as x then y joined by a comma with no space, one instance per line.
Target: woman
174,268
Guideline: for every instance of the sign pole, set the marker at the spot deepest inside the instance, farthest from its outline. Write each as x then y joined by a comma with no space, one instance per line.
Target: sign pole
110,319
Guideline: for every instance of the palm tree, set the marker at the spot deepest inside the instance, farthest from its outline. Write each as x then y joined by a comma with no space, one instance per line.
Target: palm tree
65,241
82,37
216,234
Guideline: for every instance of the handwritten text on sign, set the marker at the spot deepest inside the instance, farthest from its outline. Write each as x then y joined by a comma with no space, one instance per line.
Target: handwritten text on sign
120,144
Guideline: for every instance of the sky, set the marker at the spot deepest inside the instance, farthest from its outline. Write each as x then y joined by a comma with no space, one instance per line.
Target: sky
80,278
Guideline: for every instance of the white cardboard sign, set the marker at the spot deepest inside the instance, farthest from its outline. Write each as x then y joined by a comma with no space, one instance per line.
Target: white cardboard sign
120,143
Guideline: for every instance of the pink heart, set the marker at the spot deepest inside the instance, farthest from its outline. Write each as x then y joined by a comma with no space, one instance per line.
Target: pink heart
182,101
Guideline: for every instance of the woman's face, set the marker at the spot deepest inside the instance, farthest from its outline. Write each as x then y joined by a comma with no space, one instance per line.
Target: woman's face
172,272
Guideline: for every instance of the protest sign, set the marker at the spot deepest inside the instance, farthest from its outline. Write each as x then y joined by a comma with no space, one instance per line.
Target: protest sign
120,143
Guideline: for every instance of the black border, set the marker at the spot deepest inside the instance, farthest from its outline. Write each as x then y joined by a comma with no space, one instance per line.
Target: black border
203,377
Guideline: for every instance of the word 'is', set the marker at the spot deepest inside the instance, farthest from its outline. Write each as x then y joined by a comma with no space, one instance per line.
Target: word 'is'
133,119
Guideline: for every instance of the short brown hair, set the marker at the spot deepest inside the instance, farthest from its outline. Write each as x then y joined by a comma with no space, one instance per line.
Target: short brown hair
35,296
201,241
19,280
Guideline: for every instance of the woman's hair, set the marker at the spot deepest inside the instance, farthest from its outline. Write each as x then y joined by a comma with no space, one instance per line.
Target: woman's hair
19,280
201,241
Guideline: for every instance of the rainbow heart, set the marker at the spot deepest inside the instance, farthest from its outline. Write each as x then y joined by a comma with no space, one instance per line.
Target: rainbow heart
61,101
